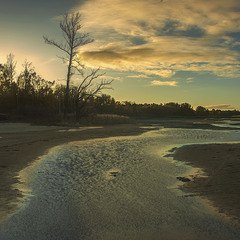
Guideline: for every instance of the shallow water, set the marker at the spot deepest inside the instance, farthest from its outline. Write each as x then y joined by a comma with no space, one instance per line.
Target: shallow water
230,123
117,188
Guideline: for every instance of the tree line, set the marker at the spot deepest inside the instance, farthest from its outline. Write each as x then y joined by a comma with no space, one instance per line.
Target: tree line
107,105
29,96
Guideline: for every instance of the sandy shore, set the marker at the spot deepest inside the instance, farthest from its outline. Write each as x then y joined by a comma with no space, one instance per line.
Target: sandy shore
21,144
221,163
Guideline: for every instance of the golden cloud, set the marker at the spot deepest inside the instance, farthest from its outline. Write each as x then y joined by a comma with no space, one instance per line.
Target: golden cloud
138,76
151,37
164,83
137,17
151,61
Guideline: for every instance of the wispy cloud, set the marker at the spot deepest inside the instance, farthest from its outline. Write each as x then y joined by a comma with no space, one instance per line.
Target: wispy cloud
220,107
138,76
189,80
164,83
151,37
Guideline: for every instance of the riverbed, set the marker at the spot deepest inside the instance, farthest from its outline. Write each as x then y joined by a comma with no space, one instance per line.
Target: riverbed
117,188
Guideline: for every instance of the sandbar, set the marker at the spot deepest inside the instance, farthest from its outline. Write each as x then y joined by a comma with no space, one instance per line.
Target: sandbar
221,183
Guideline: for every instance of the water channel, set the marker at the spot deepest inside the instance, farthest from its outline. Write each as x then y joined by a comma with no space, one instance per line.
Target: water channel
121,188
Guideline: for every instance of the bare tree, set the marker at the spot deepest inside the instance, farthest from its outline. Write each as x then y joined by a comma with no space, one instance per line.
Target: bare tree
73,40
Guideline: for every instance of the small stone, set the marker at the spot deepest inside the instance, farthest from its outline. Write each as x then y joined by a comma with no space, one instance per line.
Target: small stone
183,179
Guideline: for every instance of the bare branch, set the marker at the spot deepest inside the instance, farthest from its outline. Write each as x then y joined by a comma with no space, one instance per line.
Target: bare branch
82,40
102,86
52,42
84,81
86,87
64,59
78,65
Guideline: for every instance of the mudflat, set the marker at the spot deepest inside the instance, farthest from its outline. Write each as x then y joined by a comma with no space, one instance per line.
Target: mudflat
221,185
20,144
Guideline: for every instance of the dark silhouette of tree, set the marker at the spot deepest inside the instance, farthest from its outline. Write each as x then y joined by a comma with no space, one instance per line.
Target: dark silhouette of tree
11,67
3,82
8,87
8,72
35,94
32,83
73,40
88,87
59,92
186,109
105,104
202,111
26,78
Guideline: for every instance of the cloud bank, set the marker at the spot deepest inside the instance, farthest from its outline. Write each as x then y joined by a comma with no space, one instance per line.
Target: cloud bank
163,37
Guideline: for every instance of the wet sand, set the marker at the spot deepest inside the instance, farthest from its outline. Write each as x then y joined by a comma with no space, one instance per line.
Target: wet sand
221,163
18,148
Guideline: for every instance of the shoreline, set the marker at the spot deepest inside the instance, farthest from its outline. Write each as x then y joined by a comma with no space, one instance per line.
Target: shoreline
220,185
21,148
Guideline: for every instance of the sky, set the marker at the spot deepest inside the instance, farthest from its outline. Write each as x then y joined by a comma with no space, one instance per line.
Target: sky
157,51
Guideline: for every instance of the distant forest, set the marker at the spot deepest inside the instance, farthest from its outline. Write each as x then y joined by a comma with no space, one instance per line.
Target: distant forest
28,96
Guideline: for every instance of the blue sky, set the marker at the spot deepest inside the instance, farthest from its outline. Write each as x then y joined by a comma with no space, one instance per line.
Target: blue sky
157,51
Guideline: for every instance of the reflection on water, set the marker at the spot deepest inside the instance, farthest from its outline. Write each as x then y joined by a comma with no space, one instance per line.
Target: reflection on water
78,129
230,123
117,188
